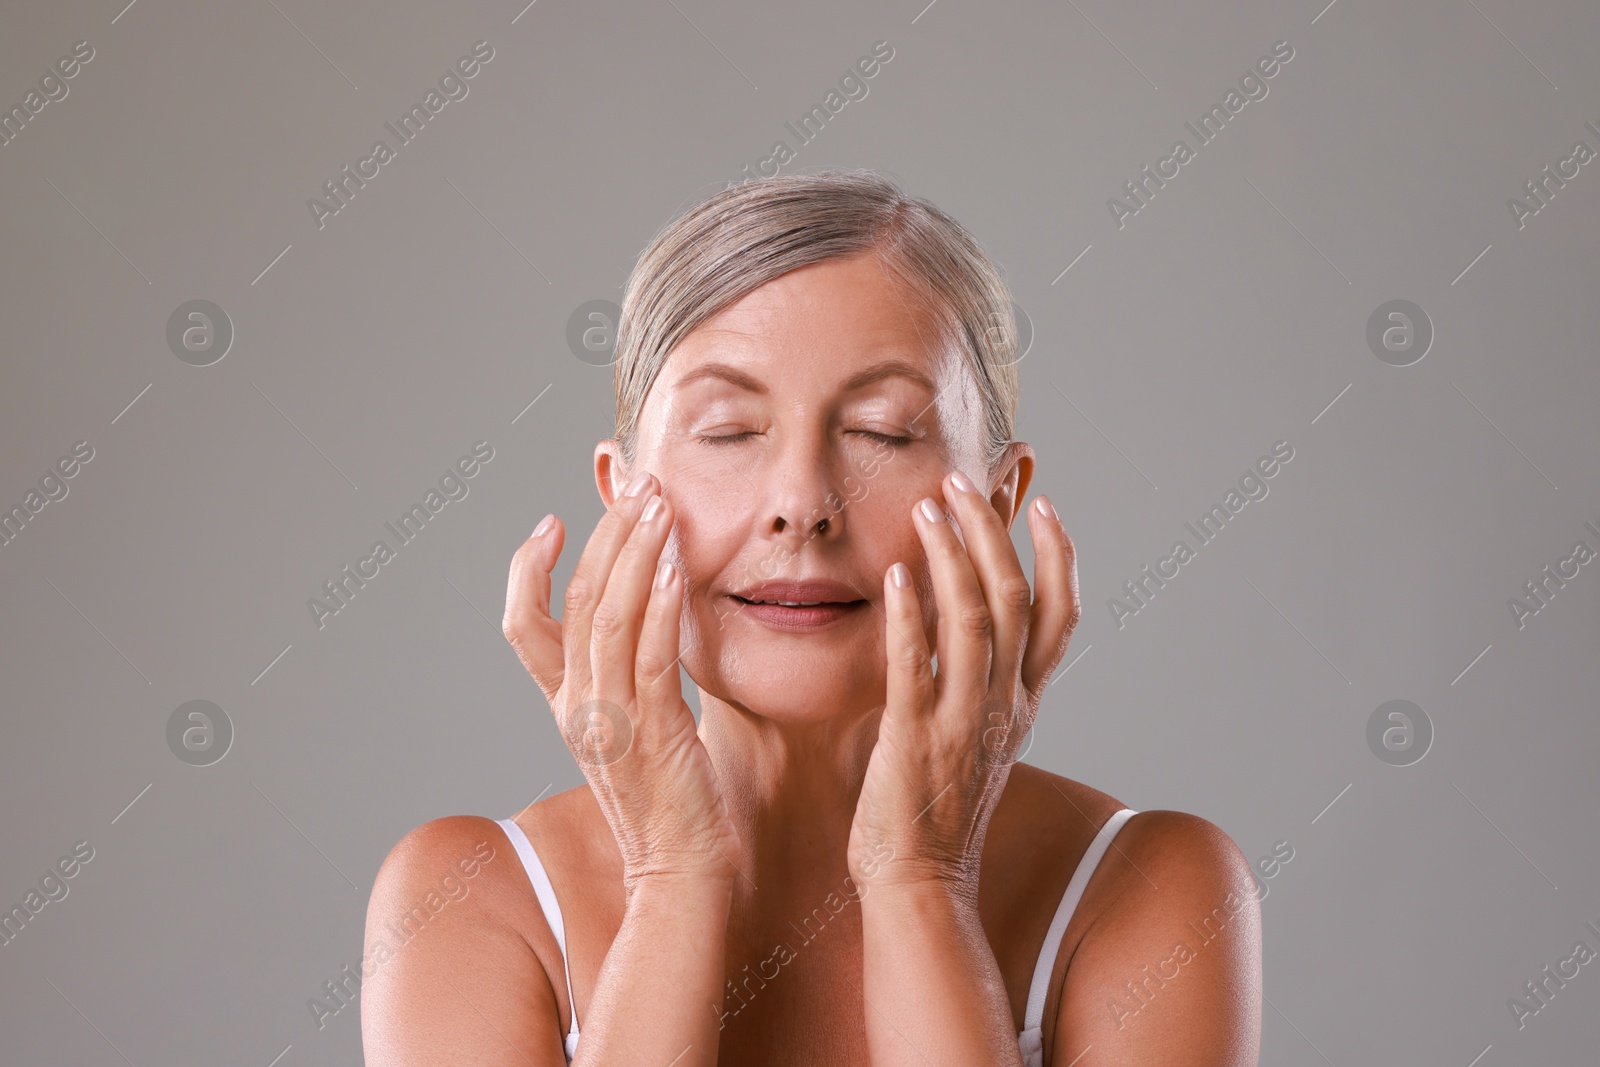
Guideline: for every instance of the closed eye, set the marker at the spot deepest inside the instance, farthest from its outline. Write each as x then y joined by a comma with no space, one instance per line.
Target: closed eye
725,438
729,438
885,438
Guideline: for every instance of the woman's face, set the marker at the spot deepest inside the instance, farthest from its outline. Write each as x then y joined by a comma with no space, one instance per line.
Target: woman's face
823,394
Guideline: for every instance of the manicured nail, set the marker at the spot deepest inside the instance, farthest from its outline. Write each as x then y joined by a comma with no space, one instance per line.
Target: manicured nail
663,574
544,526
637,486
652,508
900,576
931,510
960,481
1045,508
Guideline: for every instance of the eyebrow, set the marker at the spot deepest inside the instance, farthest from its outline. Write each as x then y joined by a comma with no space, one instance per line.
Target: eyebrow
889,368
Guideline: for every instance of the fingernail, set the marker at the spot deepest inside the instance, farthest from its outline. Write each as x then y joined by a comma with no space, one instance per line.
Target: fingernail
900,576
1045,508
651,509
544,526
663,574
637,486
930,510
960,481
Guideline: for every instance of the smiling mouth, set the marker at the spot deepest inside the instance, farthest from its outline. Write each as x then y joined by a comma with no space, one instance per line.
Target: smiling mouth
796,615
800,603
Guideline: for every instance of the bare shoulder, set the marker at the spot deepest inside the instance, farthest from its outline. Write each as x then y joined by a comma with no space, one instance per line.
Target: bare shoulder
457,864
1161,959
425,849
1167,967
1040,829
453,966
1061,816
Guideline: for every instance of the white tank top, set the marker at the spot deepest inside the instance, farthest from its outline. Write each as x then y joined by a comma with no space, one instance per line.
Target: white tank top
1031,1039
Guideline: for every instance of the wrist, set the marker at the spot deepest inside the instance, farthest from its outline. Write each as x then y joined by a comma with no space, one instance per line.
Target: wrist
920,895
684,890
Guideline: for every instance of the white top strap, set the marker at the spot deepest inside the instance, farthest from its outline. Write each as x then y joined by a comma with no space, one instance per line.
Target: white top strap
552,910
1033,1018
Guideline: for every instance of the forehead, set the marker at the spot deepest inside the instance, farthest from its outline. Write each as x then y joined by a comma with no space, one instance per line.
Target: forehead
841,323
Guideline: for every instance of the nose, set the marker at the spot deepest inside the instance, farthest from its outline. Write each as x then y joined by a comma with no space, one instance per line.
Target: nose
805,505
810,528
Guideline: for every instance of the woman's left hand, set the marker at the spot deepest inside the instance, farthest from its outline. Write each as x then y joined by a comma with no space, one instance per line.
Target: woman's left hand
947,740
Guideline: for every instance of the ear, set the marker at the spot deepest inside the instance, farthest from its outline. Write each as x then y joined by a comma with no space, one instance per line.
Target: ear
1011,480
610,477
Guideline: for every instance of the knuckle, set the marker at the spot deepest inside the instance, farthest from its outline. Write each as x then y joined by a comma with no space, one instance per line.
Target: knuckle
580,591
976,620
607,620
648,667
1016,594
910,659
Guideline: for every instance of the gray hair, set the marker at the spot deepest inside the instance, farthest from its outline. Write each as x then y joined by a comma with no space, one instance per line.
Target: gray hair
734,241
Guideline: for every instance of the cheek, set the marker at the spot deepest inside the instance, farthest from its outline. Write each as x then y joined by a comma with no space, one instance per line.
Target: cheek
883,532
710,530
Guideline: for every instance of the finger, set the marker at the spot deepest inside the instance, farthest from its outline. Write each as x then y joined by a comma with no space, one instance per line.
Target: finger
588,582
656,682
527,624
1056,608
614,626
910,676
1000,576
965,632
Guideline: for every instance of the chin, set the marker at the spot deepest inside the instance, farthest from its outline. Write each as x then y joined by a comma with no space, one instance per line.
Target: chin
791,683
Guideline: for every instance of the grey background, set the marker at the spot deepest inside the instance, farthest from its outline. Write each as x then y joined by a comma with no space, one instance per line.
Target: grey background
1227,315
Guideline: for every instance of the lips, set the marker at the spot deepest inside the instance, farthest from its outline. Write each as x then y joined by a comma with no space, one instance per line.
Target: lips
808,592
806,605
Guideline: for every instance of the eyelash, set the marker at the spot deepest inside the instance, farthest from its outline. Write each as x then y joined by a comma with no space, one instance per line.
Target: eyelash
882,438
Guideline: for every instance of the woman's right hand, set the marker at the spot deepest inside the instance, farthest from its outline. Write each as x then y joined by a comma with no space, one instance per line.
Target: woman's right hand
609,669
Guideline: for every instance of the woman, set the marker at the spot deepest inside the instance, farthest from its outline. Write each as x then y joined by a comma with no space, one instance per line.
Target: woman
809,498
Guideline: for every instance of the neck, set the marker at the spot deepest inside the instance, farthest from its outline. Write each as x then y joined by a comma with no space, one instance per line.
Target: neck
791,788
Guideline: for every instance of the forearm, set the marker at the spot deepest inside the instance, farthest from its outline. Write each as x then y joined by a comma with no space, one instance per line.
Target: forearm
659,992
932,988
